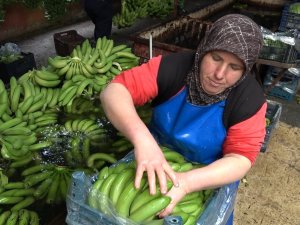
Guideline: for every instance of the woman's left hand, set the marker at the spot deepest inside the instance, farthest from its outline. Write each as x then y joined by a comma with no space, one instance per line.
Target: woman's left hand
176,194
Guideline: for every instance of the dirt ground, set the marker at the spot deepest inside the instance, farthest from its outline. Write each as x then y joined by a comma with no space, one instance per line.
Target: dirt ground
271,194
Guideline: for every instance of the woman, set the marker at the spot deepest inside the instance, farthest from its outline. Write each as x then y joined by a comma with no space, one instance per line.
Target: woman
206,105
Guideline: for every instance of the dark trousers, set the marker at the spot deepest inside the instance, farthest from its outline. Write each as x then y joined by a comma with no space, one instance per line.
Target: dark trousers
101,13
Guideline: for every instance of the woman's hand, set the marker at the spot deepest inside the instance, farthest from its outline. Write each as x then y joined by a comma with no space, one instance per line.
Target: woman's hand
152,161
176,194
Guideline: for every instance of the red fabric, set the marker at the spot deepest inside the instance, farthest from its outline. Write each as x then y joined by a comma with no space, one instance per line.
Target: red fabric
244,138
141,81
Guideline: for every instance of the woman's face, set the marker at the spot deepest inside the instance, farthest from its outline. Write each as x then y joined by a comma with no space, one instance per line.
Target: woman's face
220,70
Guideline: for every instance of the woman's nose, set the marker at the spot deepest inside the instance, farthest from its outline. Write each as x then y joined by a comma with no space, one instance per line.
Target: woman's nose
220,71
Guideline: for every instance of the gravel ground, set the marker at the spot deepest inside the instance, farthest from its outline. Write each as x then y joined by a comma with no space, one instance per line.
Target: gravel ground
272,193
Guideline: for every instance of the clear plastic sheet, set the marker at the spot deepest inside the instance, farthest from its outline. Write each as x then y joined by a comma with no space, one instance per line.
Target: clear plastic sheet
218,208
9,49
9,53
287,37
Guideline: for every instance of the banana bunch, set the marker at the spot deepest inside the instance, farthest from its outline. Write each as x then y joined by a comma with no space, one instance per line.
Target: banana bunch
83,132
82,105
82,60
79,62
76,87
23,216
113,59
100,82
35,98
42,78
45,78
121,144
50,182
160,8
16,139
126,18
139,6
115,185
16,194
88,127
46,118
19,142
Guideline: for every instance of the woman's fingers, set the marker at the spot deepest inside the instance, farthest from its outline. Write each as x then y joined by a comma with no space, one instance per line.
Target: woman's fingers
151,180
138,176
162,179
171,174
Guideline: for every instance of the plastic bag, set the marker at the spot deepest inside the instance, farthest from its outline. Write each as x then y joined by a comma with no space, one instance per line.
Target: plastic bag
217,209
9,52
287,37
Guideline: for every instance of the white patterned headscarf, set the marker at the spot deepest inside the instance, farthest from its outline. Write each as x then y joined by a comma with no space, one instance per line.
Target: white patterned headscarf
232,33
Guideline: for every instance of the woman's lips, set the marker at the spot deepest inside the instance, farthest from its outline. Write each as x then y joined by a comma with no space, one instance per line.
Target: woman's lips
214,84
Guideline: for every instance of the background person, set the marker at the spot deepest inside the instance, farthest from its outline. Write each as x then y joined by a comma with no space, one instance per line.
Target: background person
101,13
206,105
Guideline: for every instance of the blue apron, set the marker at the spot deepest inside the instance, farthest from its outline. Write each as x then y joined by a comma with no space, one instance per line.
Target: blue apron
197,132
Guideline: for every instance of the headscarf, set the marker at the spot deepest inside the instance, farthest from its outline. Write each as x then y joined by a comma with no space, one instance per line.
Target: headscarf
232,33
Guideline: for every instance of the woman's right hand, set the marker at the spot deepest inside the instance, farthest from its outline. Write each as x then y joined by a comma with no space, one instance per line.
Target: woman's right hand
151,160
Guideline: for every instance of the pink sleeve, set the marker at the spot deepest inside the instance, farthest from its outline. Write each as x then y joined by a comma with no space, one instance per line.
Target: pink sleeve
246,138
141,81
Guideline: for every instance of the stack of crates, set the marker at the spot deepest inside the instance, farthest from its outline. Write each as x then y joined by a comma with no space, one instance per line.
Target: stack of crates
278,51
286,88
289,20
273,114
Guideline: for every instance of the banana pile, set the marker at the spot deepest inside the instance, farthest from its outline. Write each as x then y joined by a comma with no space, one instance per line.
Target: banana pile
52,123
23,216
131,10
115,186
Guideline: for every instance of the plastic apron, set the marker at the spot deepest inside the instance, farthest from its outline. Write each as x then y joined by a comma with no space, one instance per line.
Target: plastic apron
197,132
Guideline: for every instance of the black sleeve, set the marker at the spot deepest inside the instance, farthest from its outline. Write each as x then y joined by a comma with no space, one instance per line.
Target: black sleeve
243,102
172,73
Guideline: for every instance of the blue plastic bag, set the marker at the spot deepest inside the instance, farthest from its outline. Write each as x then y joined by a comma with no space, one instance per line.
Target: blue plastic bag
218,207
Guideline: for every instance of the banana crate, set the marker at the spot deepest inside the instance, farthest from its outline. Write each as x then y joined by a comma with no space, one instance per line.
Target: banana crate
66,41
218,207
272,117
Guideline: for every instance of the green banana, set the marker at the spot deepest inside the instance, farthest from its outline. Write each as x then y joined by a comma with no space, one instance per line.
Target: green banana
9,124
46,75
119,184
24,217
53,189
4,217
43,187
47,83
150,209
127,196
23,204
59,62
15,98
12,219
34,218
